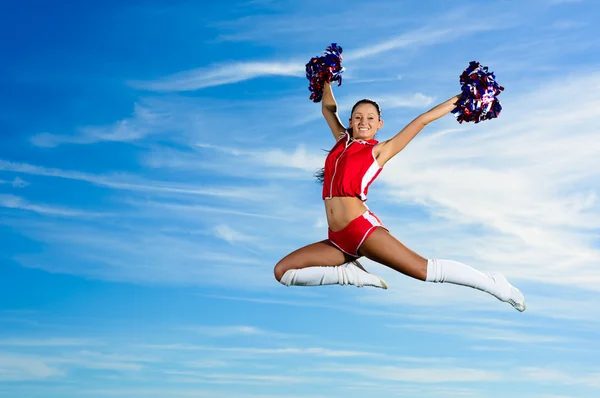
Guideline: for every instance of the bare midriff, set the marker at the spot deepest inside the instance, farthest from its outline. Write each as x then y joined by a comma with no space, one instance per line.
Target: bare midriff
341,210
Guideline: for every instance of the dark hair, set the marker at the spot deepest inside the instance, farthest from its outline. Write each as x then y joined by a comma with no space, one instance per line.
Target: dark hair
320,174
367,101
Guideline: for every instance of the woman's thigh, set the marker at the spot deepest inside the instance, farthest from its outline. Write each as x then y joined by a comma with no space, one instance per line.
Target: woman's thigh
318,254
383,248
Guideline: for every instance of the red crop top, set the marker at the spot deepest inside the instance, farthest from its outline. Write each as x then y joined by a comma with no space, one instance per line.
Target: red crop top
350,168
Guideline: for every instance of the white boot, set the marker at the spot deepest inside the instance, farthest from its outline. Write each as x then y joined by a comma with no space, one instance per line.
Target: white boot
494,283
352,274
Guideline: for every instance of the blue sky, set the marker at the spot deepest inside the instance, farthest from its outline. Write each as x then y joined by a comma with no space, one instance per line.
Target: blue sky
156,161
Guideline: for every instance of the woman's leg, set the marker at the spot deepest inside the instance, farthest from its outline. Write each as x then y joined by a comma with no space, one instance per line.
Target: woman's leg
383,248
320,264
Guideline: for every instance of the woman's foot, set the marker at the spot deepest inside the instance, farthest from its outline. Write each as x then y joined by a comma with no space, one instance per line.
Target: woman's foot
359,277
510,294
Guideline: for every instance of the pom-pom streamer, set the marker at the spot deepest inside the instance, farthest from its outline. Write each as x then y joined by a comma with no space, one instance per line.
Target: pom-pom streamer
324,69
479,91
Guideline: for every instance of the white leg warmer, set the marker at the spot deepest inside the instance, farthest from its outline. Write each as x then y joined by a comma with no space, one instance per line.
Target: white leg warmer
319,276
440,271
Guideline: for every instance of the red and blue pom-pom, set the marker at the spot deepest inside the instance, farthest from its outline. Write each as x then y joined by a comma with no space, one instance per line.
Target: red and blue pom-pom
324,69
478,101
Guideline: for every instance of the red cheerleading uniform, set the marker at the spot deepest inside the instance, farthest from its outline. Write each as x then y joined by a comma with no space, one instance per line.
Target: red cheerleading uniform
350,168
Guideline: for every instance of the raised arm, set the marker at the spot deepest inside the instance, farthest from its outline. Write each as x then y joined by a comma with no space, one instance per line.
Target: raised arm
329,109
390,148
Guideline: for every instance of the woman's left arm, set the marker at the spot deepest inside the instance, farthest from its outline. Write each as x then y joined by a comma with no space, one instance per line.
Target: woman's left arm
390,148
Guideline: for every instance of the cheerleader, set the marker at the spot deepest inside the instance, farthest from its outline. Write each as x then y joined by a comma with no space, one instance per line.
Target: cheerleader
353,163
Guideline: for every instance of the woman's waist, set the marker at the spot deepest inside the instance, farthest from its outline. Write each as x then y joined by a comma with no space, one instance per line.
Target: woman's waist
341,211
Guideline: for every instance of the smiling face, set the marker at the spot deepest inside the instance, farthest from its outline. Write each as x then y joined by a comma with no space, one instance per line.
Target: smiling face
365,120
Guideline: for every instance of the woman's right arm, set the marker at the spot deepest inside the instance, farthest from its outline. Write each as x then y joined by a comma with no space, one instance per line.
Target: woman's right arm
329,109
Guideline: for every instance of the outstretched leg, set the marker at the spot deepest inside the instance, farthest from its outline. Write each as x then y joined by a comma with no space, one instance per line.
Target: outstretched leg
320,264
383,248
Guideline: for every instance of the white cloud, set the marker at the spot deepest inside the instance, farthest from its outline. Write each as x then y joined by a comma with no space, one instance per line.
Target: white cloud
444,29
134,183
148,256
230,235
18,367
417,100
15,202
117,366
240,330
558,2
248,163
143,122
19,183
491,334
292,303
568,24
252,351
237,378
420,37
194,393
46,342
428,375
228,330
222,74
16,183
196,208
588,378
300,159
208,364
530,186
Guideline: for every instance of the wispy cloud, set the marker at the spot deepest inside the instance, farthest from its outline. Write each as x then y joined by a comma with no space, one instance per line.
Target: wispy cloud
220,74
197,208
301,351
224,331
420,37
47,342
131,182
17,367
179,392
230,235
427,375
558,2
205,181
237,71
589,377
100,361
554,218
417,100
16,202
568,24
146,256
292,303
20,367
143,122
208,364
242,330
300,158
16,183
238,378
491,334
249,163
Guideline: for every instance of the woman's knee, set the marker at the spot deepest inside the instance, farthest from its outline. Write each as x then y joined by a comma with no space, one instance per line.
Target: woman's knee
293,260
322,253
284,265
279,270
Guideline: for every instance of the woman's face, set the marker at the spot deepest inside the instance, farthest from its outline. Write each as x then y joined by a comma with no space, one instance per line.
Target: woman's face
365,122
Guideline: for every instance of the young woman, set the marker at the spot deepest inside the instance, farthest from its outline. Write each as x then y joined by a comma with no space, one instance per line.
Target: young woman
354,231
